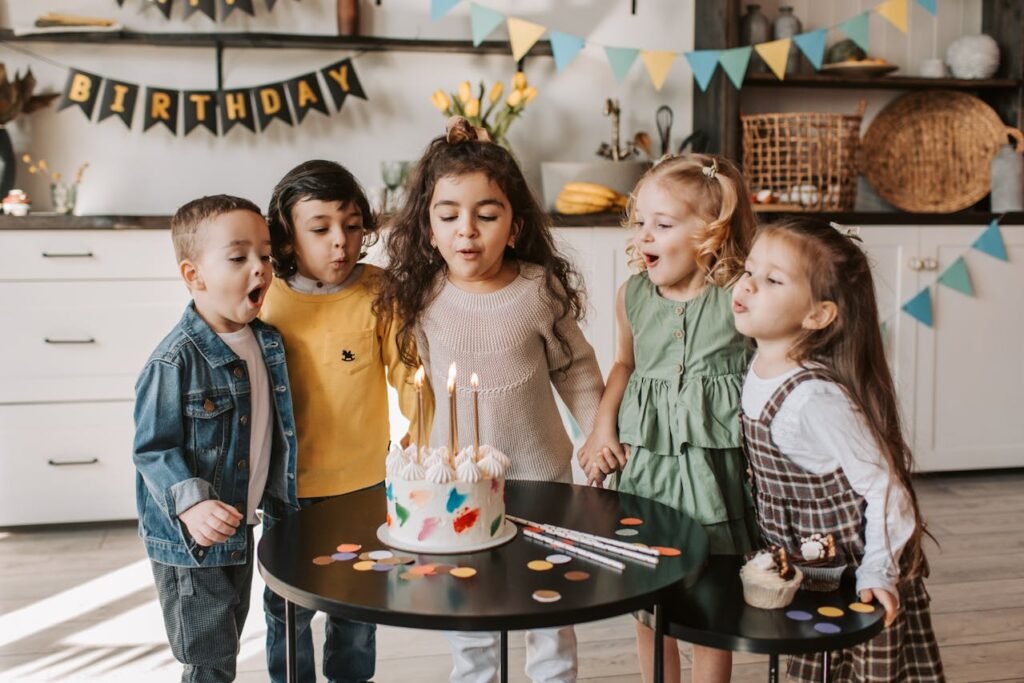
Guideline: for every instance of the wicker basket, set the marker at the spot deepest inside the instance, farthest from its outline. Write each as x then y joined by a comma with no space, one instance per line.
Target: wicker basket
932,151
808,160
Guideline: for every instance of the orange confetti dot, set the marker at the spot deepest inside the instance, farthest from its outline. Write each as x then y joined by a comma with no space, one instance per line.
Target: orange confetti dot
539,565
463,572
830,611
322,560
667,552
861,607
421,569
631,521
349,548
364,566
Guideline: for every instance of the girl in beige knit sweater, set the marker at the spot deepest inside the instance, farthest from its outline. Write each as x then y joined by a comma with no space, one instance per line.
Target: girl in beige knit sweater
475,279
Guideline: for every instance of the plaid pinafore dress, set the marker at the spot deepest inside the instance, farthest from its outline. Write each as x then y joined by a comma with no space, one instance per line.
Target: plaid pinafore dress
793,503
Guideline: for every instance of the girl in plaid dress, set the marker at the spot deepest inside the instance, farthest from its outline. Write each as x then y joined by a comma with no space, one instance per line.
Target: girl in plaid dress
668,423
822,434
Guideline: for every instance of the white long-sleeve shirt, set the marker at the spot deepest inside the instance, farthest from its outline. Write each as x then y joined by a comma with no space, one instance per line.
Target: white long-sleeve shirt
820,430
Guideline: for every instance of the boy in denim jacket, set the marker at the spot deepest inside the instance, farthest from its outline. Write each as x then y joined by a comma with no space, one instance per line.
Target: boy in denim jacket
214,434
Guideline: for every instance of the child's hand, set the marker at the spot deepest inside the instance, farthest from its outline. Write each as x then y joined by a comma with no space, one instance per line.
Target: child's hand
603,449
211,522
888,601
406,440
595,477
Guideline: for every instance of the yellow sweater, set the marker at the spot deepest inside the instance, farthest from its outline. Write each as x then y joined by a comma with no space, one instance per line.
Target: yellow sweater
337,352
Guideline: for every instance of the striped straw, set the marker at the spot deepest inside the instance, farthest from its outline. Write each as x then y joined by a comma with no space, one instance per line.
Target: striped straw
555,543
600,542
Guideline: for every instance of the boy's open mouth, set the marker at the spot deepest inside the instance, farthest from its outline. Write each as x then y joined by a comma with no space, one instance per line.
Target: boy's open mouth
254,294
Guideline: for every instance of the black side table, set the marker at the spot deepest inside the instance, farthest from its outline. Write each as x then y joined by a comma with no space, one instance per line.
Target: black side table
500,596
712,613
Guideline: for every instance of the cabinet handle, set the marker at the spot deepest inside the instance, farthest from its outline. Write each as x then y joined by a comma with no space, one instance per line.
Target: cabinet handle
915,264
88,340
930,264
67,463
68,254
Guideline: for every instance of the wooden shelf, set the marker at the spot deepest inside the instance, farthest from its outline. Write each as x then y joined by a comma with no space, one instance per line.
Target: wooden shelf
760,80
271,40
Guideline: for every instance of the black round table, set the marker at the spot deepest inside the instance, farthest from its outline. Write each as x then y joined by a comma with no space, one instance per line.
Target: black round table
500,596
712,613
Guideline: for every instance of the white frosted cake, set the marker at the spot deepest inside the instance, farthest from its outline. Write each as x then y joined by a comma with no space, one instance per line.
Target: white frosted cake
440,504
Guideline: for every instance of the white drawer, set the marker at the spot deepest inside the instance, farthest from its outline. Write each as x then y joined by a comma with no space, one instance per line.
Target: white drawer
70,341
66,463
86,255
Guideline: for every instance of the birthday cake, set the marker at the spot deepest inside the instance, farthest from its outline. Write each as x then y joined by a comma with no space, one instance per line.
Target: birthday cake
436,503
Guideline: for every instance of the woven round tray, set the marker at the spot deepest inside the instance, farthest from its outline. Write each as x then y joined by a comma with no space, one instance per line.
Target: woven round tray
931,152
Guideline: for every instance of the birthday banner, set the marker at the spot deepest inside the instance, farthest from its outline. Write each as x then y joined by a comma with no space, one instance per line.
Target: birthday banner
703,63
207,7
253,108
957,276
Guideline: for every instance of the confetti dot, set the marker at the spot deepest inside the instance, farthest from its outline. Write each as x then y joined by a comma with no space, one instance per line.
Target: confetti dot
392,561
830,611
826,628
422,570
379,555
405,559
861,607
539,565
363,565
626,532
440,569
365,556
547,596
349,548
799,615
631,521
463,572
558,559
638,544
409,576
322,560
577,576
667,552
381,567
343,557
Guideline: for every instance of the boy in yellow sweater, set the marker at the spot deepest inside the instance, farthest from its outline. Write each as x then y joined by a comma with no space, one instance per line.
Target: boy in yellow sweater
339,357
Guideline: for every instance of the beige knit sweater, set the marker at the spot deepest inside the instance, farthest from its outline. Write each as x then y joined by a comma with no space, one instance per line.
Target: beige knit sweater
507,337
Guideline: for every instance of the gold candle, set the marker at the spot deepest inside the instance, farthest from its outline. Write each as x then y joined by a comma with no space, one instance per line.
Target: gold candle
474,382
420,376
453,413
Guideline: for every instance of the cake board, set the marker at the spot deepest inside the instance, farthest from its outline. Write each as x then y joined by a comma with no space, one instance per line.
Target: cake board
507,534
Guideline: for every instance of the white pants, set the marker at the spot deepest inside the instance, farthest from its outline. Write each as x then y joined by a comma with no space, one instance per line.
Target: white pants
550,655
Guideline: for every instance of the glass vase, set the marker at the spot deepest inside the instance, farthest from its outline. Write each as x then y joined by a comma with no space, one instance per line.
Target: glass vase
64,196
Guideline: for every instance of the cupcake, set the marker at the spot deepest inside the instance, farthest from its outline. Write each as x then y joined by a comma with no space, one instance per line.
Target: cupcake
769,580
821,562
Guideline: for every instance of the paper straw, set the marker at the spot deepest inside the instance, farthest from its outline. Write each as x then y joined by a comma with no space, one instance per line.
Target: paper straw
555,543
606,544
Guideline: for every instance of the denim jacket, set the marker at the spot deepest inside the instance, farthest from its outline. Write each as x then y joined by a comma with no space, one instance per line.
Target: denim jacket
192,438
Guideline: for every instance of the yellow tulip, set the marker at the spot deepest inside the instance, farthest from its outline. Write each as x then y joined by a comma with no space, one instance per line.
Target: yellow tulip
529,94
472,108
26,158
519,81
496,92
441,100
515,98
33,169
465,92
43,165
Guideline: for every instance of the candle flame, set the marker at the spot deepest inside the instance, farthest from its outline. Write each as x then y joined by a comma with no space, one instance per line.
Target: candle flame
474,381
419,377
451,378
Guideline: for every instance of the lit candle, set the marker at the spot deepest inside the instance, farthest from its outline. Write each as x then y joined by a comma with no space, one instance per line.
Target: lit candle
453,419
420,376
474,381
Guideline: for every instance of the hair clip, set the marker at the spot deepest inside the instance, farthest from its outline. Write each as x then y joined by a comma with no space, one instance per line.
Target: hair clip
712,170
851,231
459,129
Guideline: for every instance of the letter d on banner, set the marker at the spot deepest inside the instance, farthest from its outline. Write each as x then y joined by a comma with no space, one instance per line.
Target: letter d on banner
272,103
82,90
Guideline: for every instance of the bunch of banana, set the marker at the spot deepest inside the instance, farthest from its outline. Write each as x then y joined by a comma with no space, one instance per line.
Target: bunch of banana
580,198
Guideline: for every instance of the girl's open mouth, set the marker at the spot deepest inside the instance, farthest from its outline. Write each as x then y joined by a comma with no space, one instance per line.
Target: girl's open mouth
738,307
255,294
651,259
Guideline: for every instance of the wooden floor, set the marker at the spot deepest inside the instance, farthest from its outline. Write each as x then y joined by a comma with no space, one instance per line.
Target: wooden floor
77,603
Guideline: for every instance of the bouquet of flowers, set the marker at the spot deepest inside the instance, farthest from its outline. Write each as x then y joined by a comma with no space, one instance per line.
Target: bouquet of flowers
63,193
496,114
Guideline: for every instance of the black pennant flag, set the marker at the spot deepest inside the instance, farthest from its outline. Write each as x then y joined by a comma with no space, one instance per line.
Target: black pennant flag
200,110
207,7
306,95
229,6
161,107
119,99
271,103
342,81
164,5
236,107
82,89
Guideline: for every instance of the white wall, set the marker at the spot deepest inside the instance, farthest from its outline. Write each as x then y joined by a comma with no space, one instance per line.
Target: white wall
154,172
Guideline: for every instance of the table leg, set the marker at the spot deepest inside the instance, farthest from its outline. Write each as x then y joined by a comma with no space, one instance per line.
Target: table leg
825,664
773,668
659,643
290,650
504,656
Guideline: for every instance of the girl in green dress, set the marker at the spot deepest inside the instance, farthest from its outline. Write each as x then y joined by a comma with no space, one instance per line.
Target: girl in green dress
668,425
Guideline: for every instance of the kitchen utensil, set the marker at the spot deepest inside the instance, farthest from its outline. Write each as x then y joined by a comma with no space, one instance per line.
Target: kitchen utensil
664,118
697,142
642,141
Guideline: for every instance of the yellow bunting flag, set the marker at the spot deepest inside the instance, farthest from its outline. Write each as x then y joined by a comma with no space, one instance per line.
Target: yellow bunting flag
775,54
895,11
522,35
658,63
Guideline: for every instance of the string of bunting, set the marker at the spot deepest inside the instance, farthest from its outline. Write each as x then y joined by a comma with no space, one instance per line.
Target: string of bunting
957,276
259,106
703,63
207,7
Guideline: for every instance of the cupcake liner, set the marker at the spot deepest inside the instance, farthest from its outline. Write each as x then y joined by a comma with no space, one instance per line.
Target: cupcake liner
770,597
822,579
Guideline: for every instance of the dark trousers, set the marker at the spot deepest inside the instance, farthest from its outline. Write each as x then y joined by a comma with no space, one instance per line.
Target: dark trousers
350,648
204,610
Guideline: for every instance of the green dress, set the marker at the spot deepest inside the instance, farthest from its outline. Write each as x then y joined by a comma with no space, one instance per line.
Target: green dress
680,411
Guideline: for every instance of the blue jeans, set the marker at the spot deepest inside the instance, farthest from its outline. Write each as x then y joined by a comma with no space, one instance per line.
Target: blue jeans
350,650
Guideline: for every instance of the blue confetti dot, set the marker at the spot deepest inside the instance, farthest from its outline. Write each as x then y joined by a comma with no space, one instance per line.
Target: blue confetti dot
383,567
799,615
827,628
343,557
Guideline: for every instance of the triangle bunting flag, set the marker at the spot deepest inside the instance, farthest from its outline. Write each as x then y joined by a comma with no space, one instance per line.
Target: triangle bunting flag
920,307
734,63
991,242
439,8
483,21
620,59
703,63
930,6
812,44
658,62
857,29
775,54
523,34
956,277
564,47
895,11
